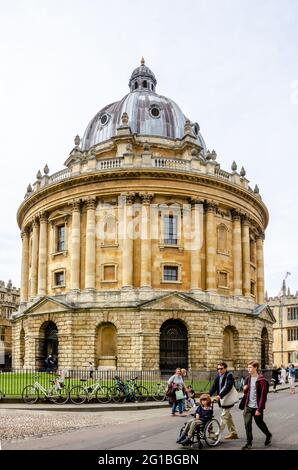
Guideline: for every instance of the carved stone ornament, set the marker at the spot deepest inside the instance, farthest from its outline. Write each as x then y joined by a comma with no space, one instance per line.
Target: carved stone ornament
77,140
210,206
234,166
124,119
242,172
146,198
91,203
187,127
46,170
39,175
236,214
43,217
146,147
256,190
76,205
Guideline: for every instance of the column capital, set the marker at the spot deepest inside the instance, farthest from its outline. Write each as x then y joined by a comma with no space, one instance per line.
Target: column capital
210,206
128,198
146,198
25,232
76,205
236,214
35,222
193,200
91,202
260,234
43,217
245,219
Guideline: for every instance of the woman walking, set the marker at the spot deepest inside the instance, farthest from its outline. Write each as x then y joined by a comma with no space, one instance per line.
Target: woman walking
291,378
176,392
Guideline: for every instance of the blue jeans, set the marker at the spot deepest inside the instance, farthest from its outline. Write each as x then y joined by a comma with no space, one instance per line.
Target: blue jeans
180,406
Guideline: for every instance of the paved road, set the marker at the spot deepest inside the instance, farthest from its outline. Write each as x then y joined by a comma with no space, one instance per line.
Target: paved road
156,429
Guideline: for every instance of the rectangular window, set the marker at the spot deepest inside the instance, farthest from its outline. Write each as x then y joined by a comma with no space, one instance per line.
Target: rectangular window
222,279
59,278
292,313
170,273
60,246
170,230
293,334
253,288
109,273
2,333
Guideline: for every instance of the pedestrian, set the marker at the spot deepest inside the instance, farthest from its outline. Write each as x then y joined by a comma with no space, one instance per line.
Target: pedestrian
49,363
189,397
283,374
204,413
255,390
91,370
222,385
275,378
291,378
176,392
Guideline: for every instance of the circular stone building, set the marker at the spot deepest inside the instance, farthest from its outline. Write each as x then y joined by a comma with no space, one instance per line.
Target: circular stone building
142,253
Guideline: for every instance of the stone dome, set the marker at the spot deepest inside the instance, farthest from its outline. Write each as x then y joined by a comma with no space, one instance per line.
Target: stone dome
149,114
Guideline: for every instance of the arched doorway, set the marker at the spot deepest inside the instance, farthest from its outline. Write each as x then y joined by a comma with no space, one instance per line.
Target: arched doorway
264,348
230,347
173,351
47,344
106,346
22,348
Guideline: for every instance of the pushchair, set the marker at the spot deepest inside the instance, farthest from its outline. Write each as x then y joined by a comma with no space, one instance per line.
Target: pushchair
209,432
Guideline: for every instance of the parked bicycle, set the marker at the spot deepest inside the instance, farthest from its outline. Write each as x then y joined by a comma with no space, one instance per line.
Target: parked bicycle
57,393
159,392
1,395
129,390
80,393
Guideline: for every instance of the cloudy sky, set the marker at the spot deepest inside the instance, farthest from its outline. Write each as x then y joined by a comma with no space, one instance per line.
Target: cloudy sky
231,65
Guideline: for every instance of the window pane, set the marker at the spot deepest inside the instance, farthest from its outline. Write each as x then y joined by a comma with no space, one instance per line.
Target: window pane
170,230
171,273
61,238
59,278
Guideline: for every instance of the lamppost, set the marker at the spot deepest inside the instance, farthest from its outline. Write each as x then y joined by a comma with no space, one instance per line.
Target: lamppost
281,294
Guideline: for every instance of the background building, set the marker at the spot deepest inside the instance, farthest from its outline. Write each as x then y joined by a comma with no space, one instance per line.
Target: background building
9,302
142,252
285,330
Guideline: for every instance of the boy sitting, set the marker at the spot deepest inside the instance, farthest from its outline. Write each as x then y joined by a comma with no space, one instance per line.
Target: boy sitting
204,413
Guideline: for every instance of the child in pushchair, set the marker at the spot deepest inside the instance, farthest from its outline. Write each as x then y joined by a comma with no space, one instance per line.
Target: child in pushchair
202,427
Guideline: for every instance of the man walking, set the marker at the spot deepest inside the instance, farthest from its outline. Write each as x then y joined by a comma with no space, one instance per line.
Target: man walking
255,395
222,384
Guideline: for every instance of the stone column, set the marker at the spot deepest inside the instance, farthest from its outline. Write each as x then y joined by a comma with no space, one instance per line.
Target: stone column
25,266
210,208
146,240
260,268
245,257
34,258
75,246
43,254
196,241
127,246
90,244
237,253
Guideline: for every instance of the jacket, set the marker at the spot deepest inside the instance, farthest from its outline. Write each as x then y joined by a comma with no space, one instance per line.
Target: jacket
226,385
261,389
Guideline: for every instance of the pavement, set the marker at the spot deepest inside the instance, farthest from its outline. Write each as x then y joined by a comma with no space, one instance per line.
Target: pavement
96,407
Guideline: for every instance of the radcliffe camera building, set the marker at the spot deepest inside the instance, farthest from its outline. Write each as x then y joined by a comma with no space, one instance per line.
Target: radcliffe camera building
142,253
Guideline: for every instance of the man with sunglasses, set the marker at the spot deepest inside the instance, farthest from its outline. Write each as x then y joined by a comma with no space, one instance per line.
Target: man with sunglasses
222,384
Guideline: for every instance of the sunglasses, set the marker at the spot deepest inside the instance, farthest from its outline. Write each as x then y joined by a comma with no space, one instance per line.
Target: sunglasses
220,368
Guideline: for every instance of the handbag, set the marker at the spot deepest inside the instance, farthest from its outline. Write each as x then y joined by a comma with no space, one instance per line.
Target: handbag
230,398
179,395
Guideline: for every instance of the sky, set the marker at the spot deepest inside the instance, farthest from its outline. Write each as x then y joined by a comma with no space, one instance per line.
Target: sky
231,65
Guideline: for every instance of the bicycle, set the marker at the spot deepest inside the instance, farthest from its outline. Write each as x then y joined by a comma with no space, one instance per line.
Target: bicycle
58,393
79,393
128,390
1,395
159,392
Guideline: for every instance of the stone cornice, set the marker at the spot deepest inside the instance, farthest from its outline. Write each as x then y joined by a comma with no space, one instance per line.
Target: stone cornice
154,173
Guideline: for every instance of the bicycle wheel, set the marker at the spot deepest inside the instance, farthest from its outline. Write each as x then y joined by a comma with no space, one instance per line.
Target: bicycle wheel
60,395
159,393
117,395
78,395
103,394
30,394
212,433
141,394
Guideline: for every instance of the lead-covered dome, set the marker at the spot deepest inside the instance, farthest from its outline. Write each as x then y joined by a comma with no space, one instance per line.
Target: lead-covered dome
149,114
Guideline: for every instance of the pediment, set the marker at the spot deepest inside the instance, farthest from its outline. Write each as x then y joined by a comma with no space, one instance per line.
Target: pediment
265,313
48,305
175,301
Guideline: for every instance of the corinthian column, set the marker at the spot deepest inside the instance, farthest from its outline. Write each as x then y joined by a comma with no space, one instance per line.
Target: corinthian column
196,243
75,246
34,258
43,254
25,266
245,257
127,246
210,247
237,253
260,268
146,240
90,244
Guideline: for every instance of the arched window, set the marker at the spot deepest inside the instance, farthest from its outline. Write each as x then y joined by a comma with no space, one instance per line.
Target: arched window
173,346
230,346
145,84
222,239
264,348
47,344
136,85
106,345
109,230
252,250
